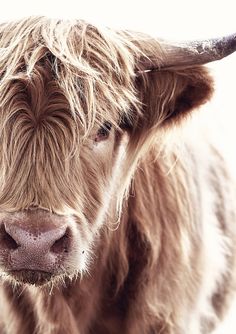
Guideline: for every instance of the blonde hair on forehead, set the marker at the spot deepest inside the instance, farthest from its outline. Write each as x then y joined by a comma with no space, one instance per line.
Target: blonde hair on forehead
93,67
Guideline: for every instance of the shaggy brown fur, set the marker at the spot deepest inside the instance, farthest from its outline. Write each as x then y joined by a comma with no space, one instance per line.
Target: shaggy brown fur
150,243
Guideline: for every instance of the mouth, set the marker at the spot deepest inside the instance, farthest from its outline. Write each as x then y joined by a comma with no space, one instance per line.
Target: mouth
33,277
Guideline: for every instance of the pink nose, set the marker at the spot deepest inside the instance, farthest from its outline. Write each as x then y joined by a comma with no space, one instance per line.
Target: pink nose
36,241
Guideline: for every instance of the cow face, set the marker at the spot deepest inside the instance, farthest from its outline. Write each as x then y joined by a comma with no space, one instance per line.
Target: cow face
58,179
77,114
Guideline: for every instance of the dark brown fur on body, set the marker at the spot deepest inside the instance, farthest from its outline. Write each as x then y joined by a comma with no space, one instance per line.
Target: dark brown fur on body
152,225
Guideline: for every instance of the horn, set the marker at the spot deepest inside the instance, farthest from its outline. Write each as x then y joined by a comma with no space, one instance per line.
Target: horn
187,54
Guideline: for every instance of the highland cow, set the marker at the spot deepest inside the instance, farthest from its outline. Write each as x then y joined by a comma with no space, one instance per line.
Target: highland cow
105,226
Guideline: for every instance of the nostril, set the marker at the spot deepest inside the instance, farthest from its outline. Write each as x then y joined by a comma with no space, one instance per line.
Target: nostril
62,245
6,240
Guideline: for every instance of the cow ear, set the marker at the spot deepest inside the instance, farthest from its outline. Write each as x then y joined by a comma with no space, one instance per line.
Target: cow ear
168,96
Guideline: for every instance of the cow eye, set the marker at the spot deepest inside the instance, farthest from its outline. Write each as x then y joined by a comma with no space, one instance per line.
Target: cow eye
103,132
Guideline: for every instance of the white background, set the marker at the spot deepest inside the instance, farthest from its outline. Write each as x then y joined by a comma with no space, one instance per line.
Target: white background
174,20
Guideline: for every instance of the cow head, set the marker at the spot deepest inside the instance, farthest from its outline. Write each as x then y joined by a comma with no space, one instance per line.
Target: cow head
79,107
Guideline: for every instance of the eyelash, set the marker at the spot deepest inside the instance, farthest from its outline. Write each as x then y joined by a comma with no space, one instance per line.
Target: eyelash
103,132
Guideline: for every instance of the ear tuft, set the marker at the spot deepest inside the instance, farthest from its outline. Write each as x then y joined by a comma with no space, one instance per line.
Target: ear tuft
169,96
197,89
